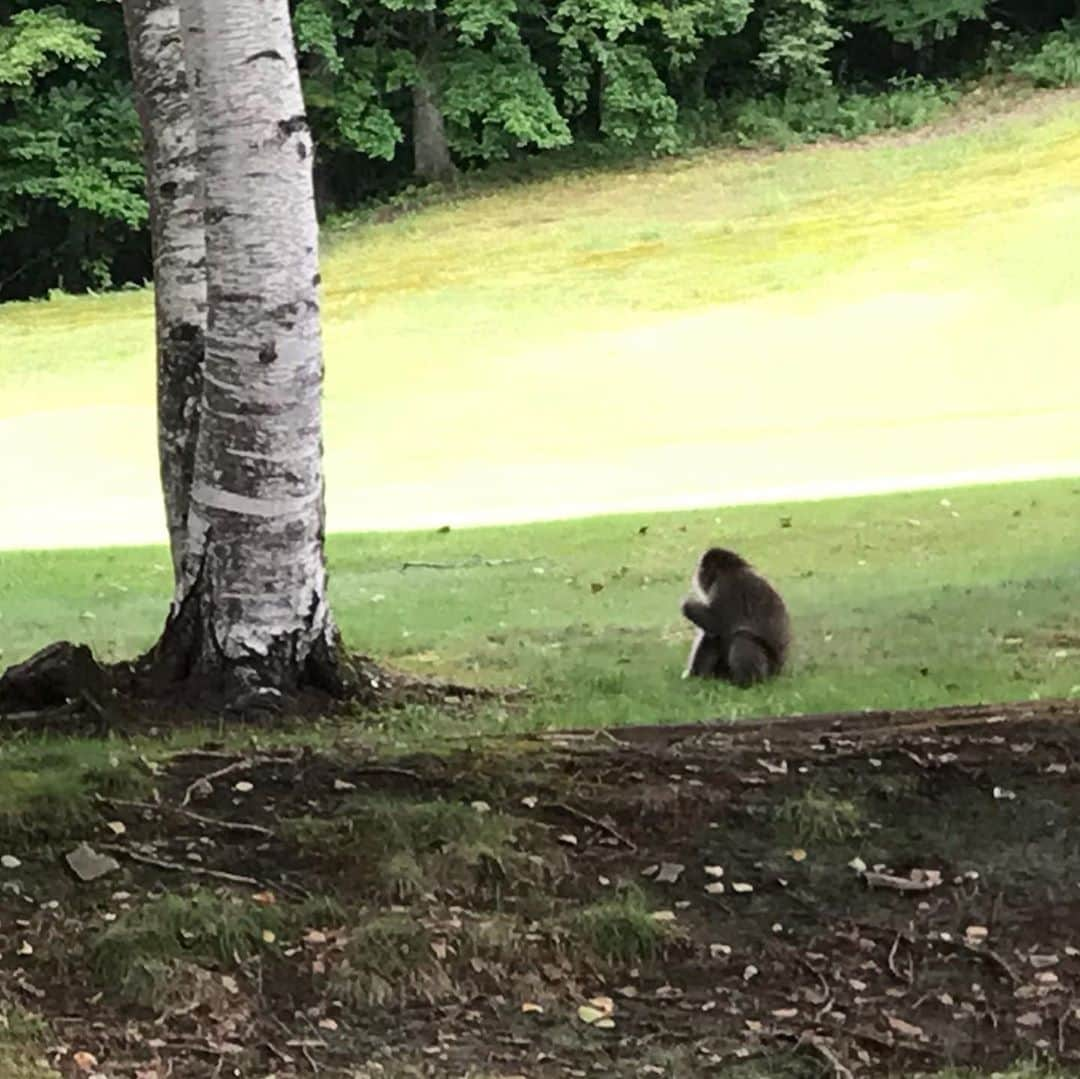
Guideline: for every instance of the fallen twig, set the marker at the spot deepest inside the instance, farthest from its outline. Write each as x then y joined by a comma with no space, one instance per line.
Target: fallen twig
245,764
386,770
180,867
211,822
227,825
467,563
241,765
826,1052
991,956
828,999
907,976
586,819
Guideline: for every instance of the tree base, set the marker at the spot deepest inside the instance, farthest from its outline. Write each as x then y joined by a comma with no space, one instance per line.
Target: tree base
64,686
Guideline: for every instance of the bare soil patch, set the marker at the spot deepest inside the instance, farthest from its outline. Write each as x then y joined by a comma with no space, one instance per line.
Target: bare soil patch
866,895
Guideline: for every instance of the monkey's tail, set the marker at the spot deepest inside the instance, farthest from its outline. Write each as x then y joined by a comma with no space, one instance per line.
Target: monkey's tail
749,661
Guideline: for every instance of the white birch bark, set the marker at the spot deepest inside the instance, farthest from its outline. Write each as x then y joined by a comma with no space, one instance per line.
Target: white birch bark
255,567
174,192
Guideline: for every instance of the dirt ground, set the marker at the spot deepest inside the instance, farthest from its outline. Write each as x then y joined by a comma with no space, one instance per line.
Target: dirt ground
849,895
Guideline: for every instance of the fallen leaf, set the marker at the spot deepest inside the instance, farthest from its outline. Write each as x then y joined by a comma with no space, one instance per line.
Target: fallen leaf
314,936
243,787
857,864
797,854
530,802
26,948
229,984
663,916
84,1061
785,1013
269,936
976,933
344,785
742,887
1029,1019
88,865
9,861
714,871
569,839
902,1026
604,1003
328,1024
715,888
117,827
481,807
670,872
264,899
588,1014
529,1008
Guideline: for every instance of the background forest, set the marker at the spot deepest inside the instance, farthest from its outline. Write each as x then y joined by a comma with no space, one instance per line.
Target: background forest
405,92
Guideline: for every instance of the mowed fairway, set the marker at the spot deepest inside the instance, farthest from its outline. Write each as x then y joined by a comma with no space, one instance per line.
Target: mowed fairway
731,327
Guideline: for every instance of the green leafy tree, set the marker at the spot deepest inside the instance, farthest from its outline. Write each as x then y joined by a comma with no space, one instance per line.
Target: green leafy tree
917,23
625,59
71,182
797,39
454,76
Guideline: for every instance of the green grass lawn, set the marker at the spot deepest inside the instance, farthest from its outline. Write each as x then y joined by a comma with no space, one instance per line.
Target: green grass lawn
898,601
722,328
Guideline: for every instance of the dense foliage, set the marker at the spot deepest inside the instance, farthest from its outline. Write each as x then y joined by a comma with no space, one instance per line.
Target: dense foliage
489,80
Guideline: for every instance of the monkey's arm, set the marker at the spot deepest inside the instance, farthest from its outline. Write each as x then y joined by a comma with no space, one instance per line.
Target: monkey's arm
705,616
707,658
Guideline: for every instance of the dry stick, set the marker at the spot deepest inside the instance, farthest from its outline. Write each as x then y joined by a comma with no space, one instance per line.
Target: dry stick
826,989
1062,1022
212,822
993,957
236,766
387,770
904,976
179,867
227,825
467,563
586,819
819,1045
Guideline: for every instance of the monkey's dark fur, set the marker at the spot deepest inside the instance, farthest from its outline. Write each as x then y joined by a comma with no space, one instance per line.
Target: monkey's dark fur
743,629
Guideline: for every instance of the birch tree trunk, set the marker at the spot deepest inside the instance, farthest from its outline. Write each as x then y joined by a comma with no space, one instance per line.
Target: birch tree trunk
251,610
174,191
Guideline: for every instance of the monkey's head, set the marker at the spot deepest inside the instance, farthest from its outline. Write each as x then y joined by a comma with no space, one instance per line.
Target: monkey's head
717,561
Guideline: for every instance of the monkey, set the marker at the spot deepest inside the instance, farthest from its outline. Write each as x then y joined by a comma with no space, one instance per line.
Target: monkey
742,624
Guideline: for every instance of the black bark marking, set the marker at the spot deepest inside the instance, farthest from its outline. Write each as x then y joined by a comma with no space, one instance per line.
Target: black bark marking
220,296
266,54
169,189
301,150
214,215
268,353
292,125
316,280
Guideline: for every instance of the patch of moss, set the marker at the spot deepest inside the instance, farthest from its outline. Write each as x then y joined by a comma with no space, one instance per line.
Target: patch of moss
48,789
622,929
405,848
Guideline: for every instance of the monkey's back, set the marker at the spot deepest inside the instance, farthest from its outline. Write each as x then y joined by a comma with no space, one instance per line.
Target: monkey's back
747,604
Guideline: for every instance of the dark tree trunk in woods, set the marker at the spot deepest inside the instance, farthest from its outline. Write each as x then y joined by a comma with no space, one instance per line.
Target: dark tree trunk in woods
431,152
